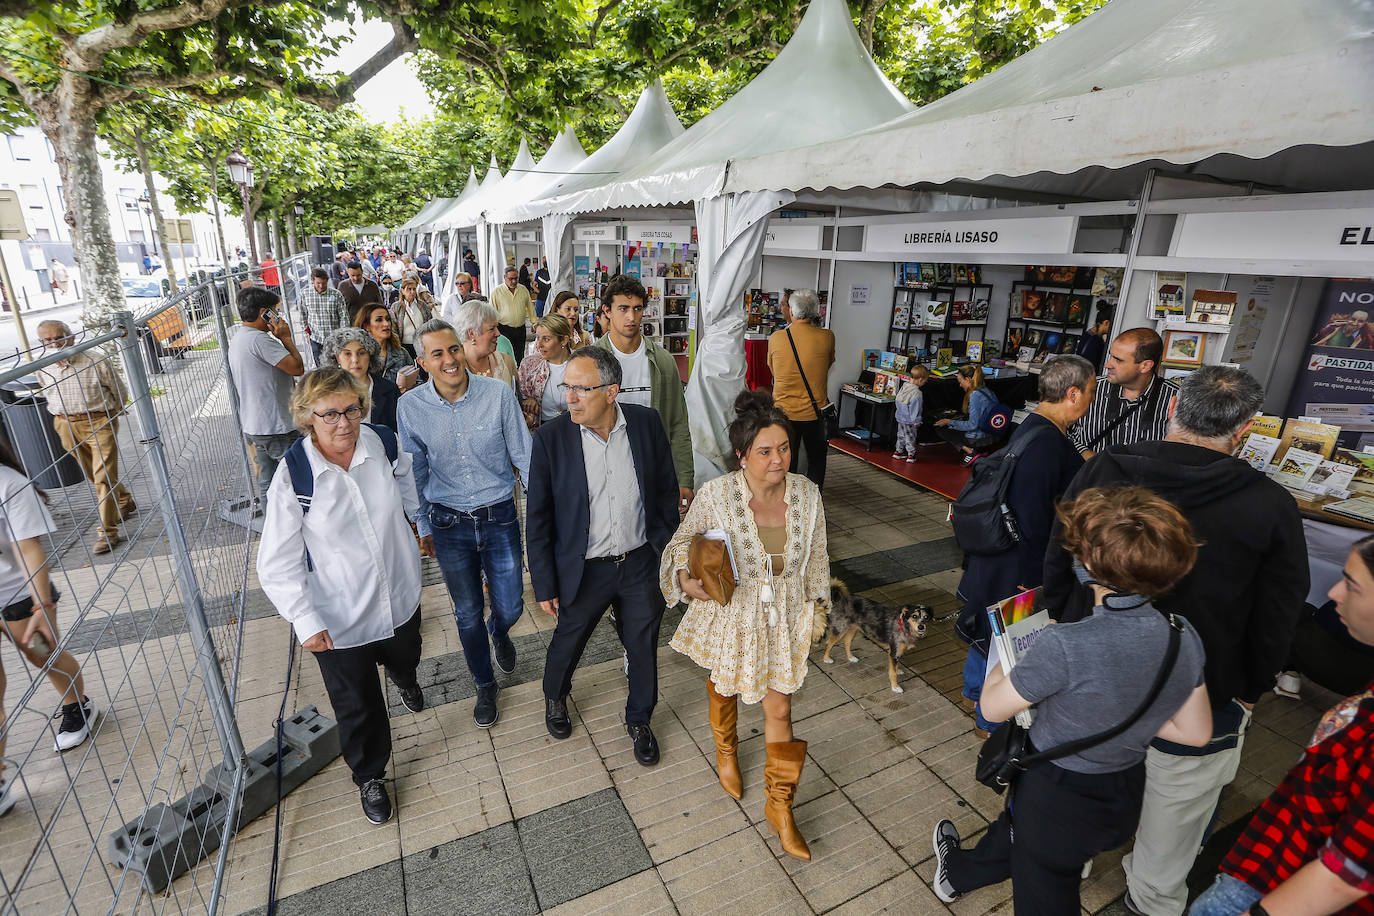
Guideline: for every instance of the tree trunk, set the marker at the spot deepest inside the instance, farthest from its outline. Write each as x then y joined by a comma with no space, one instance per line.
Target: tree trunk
277,244
69,124
211,177
145,166
291,230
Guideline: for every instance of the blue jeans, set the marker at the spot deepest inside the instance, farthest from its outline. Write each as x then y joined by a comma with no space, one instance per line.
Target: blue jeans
975,669
1228,896
468,544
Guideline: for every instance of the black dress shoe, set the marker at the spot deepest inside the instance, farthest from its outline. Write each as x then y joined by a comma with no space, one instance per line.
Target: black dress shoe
556,718
505,653
485,713
646,745
376,801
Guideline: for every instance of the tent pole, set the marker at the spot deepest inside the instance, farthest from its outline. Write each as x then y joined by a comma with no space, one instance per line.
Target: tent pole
834,247
1144,205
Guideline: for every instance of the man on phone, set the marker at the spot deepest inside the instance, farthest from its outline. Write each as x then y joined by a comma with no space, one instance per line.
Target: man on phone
264,363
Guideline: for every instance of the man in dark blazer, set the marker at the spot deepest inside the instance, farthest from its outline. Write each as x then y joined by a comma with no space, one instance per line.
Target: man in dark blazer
357,291
601,506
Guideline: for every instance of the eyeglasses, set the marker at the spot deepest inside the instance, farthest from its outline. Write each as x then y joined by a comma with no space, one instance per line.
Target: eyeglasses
580,390
332,417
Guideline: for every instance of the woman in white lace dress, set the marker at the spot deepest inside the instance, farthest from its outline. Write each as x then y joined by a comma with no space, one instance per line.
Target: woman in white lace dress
756,646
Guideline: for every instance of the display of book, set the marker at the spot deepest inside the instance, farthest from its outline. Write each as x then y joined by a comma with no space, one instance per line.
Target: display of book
1295,467
1016,623
974,351
1012,342
1078,308
1363,464
1168,294
1258,450
1331,478
901,316
1213,306
1360,508
1267,425
1032,304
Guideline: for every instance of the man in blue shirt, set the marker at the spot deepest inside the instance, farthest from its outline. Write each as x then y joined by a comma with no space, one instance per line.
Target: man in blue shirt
465,432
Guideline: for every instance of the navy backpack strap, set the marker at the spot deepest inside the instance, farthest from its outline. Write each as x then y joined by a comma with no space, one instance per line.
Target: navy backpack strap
388,440
302,481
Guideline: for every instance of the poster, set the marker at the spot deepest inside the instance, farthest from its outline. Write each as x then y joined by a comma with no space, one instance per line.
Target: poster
1336,384
1251,310
858,294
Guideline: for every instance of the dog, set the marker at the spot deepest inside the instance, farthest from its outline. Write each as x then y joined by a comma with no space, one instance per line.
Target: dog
897,630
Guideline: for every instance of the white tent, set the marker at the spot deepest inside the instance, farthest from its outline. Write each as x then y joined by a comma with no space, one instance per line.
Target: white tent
650,125
1210,84
443,222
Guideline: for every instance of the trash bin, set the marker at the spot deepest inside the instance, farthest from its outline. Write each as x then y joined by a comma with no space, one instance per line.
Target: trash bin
30,435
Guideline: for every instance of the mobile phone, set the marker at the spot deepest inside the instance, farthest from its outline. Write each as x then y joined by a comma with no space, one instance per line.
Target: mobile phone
39,643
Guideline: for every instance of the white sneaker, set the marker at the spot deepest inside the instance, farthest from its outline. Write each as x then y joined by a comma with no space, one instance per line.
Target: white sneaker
625,662
945,841
1289,685
77,722
8,793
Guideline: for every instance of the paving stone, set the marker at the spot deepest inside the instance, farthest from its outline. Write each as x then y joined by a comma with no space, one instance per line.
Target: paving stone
483,873
738,874
904,895
580,847
638,895
370,891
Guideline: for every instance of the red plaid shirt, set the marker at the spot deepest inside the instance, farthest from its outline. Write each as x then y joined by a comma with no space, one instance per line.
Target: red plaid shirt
1323,809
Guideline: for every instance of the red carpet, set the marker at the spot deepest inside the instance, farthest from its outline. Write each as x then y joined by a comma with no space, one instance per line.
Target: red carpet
938,469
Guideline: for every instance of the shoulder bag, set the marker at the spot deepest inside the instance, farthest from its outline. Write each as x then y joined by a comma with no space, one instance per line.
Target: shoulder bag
1007,752
1123,417
831,414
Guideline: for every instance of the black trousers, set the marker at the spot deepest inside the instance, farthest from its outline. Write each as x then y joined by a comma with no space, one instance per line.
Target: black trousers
516,336
355,693
810,434
632,585
1061,819
979,442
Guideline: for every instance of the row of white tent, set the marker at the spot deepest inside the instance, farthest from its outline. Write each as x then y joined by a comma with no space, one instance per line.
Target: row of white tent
1268,91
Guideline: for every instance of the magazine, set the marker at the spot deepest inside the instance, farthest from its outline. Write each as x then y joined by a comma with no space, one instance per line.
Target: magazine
1295,468
1331,478
1360,508
1363,464
1267,425
1016,623
1308,436
1258,450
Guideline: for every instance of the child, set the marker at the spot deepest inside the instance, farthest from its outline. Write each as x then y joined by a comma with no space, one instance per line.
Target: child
909,404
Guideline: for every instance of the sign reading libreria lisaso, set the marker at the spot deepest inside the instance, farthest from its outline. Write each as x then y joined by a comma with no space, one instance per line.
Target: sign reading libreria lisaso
1028,235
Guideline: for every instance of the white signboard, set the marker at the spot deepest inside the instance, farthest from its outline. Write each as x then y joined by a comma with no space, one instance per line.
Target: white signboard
594,232
527,235
668,233
782,235
1280,235
1031,235
858,294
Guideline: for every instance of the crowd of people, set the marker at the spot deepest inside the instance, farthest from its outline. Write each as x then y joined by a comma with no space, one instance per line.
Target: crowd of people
497,437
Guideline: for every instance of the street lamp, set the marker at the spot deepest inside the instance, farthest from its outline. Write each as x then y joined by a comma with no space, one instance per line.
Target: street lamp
241,174
148,214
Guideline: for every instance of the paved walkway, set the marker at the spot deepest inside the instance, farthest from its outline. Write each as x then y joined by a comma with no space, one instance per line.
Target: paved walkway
510,821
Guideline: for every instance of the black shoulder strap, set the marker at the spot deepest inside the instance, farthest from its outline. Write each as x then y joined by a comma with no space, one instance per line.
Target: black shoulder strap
1082,744
797,356
1125,415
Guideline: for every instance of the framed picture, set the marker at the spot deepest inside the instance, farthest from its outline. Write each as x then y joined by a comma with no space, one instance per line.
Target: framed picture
1171,373
1184,348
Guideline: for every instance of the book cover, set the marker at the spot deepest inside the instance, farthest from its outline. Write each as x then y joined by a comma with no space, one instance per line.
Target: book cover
1295,467
900,362
928,273
1267,425
1032,304
944,273
1213,306
1032,337
1363,465
1331,478
1016,623
1012,343
1168,294
887,360
1258,450
944,357
901,316
1360,508
1025,354
1078,308
871,357
1056,307
960,310
960,273
1107,281
1310,437
1070,344
974,351
1050,343
933,313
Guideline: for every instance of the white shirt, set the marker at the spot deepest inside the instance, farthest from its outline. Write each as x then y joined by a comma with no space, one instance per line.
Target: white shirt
635,382
615,522
394,269
554,400
366,576
23,516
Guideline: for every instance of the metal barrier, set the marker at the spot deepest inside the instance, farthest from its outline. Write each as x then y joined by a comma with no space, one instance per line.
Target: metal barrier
153,627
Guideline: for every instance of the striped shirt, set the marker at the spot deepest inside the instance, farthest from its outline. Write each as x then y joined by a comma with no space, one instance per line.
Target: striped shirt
324,312
1147,423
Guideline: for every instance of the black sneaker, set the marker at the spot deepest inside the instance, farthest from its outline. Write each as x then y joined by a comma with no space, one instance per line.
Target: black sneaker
646,745
556,718
376,801
77,719
413,698
505,653
485,713
945,840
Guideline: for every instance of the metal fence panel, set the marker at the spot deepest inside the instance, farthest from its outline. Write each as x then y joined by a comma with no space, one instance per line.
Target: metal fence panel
154,626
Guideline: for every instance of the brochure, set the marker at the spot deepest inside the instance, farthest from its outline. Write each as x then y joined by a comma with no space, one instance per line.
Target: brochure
1258,450
1016,623
1295,468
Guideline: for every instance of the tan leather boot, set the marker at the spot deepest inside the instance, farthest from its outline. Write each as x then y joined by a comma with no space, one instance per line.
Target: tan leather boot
724,714
781,773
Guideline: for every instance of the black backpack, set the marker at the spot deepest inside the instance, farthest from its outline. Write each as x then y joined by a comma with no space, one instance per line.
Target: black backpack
983,522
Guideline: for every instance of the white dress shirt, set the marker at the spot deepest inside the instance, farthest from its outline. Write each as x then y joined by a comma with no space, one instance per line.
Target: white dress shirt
366,576
615,523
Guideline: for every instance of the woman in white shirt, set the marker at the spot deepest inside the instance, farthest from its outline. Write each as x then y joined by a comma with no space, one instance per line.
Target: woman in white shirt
346,573
409,312
541,372
29,614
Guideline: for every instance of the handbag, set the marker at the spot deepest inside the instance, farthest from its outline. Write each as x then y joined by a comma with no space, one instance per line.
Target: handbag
830,415
709,560
1008,753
